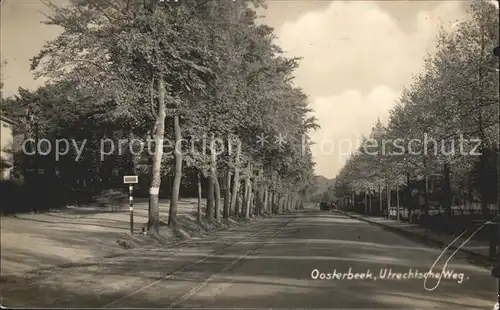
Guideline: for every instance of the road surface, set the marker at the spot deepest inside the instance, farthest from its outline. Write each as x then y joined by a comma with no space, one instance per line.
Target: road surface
268,264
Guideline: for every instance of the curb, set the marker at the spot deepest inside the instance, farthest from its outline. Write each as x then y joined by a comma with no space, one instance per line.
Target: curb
484,260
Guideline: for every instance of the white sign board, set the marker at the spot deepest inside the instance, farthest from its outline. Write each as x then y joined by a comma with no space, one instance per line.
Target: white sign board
130,179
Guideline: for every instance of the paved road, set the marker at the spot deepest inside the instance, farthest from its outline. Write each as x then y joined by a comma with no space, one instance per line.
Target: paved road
267,264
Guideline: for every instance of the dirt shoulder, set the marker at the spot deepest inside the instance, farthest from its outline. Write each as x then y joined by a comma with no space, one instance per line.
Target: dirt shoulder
32,243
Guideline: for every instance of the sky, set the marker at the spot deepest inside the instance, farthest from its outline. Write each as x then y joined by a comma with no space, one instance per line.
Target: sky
357,56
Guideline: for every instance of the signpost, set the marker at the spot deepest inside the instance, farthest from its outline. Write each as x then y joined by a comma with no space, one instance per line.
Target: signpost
131,179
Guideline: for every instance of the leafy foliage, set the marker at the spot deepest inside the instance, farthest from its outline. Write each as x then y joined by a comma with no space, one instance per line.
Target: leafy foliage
224,77
452,103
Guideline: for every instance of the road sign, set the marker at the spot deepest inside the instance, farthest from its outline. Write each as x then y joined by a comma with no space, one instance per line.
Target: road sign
130,179
131,208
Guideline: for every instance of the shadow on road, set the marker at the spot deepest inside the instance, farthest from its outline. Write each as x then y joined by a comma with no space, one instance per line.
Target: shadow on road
275,275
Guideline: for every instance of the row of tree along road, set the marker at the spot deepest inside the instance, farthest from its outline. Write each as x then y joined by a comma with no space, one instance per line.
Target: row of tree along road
455,96
135,70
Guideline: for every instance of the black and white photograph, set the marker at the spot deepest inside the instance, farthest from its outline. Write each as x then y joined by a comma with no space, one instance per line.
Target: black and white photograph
249,154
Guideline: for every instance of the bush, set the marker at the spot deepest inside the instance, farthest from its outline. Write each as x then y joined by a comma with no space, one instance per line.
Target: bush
17,197
12,197
111,198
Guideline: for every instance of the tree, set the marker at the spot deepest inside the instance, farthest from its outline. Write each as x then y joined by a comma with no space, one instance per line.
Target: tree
198,69
116,50
453,101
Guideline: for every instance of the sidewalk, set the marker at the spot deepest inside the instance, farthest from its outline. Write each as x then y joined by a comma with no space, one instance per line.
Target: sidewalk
472,247
35,242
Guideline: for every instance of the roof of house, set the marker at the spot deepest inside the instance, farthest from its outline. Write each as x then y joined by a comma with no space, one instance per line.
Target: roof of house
7,120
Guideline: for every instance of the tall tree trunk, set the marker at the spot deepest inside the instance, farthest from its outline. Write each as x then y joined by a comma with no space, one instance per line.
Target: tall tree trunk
248,201
217,198
214,175
254,202
380,198
276,201
470,191
397,203
366,202
283,203
448,200
260,193
408,192
236,181
259,199
246,196
266,199
198,214
271,201
154,191
254,189
239,202
389,190
227,194
426,180
279,206
210,198
172,214
255,198
484,181
370,201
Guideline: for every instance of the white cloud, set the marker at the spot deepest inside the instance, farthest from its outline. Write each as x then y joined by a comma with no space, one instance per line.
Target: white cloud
356,59
345,118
